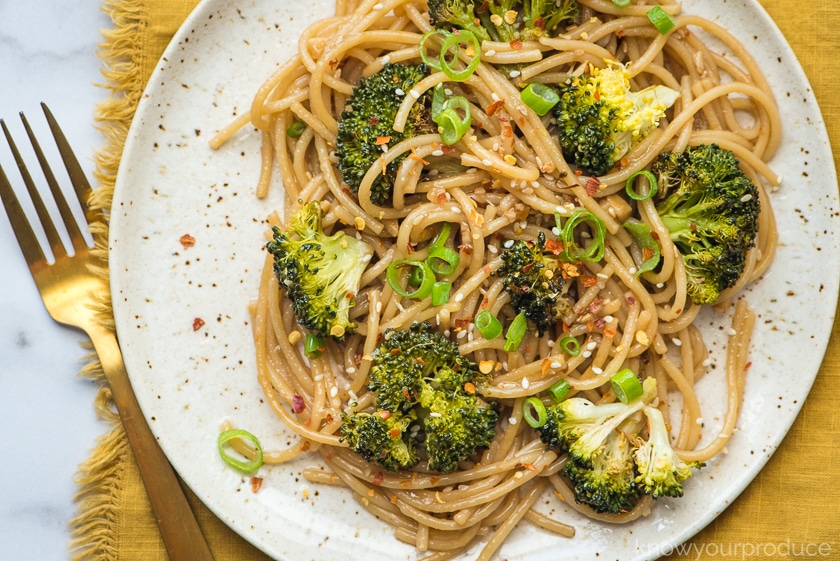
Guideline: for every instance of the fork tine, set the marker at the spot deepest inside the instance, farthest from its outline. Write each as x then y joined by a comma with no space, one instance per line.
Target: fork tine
63,209
43,215
77,175
20,225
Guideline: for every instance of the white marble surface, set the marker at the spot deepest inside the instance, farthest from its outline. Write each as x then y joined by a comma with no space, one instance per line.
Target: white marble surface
47,53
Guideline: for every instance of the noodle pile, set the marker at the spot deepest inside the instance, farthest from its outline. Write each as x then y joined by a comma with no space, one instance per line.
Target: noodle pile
511,181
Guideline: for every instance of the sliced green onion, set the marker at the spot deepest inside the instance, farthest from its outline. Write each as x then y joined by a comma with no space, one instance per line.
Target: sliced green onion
540,98
533,406
453,41
594,252
621,3
488,325
570,345
626,386
440,293
652,188
451,125
516,332
431,62
442,236
392,275
651,251
443,260
243,466
559,391
296,129
661,20
438,99
313,346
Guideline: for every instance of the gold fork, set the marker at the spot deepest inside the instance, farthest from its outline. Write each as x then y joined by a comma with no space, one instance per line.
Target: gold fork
68,288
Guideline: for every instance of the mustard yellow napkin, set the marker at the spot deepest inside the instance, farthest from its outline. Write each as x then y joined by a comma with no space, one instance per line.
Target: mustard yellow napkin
792,509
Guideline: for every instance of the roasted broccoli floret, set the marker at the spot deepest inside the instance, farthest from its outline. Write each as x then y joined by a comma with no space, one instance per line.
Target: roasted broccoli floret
320,273
381,437
504,20
661,471
599,119
534,281
459,14
367,124
601,464
711,210
608,483
419,374
456,425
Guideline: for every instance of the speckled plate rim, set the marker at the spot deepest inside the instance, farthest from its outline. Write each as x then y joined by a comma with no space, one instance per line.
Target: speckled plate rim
182,318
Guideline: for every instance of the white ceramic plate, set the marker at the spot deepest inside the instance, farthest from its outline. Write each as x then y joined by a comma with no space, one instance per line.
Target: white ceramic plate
171,183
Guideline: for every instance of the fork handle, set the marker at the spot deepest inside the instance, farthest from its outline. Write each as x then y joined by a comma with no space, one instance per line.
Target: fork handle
179,528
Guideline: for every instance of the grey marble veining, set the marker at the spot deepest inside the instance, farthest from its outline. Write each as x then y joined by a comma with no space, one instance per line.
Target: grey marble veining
47,53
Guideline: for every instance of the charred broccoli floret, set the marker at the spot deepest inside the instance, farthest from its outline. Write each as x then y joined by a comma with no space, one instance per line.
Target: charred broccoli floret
381,437
418,374
504,20
320,273
460,14
601,464
367,124
711,210
599,119
534,281
661,471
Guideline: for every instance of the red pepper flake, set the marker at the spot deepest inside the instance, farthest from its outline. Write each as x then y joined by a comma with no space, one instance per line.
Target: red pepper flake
406,394
384,414
466,248
378,478
256,483
469,387
373,120
417,158
420,360
545,367
588,280
198,323
554,247
630,299
619,33
486,270
395,352
647,253
610,333
516,44
592,185
597,95
578,172
654,235
462,323
357,359
507,131
539,23
494,107
298,404
334,63
624,162
530,467
380,140
395,433
187,241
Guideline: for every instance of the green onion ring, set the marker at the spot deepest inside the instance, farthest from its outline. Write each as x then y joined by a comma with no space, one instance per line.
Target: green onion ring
533,405
243,466
559,391
443,260
440,293
652,187
626,385
392,275
661,20
488,325
595,251
454,40
570,345
516,332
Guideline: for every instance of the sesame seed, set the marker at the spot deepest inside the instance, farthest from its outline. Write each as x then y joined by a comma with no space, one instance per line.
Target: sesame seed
512,421
591,345
492,249
515,74
494,96
334,391
602,276
491,52
608,319
525,384
660,285
677,342
632,270
555,231
350,370
731,331
746,198
435,414
586,354
597,371
379,307
487,162
461,334
386,59
508,244
399,92
699,420
556,365
459,297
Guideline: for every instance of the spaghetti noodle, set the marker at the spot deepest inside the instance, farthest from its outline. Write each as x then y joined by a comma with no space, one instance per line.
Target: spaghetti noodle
511,181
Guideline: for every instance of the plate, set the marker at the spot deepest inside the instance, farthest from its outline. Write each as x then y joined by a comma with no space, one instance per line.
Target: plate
185,331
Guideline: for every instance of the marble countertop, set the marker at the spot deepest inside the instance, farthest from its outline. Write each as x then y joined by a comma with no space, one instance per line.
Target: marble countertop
47,53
